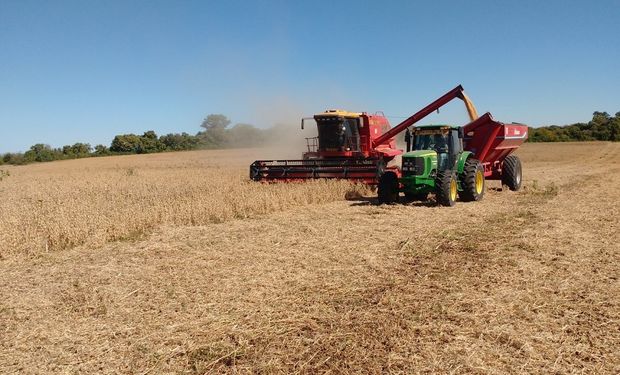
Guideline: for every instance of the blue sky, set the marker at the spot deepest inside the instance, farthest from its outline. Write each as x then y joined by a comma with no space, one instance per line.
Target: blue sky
75,71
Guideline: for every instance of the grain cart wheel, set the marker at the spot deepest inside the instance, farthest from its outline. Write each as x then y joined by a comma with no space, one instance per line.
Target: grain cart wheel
446,188
472,181
413,197
511,173
388,188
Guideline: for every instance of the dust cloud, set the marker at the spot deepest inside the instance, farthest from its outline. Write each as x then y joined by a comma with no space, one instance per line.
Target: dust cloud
280,121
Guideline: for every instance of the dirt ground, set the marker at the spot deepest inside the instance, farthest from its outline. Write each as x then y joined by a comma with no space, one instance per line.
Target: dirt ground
521,282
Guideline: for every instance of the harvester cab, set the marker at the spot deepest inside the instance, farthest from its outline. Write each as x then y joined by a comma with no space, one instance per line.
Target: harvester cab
338,134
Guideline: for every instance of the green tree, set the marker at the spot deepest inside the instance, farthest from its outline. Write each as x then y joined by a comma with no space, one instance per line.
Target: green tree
126,143
614,128
215,130
14,158
600,126
40,152
101,150
600,118
150,143
66,150
81,149
179,142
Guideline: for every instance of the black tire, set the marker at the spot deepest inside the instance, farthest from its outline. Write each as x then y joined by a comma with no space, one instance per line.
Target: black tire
445,188
413,197
511,173
472,181
388,188
381,166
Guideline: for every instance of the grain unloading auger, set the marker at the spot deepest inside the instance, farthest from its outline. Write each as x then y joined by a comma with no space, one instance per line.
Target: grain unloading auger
350,145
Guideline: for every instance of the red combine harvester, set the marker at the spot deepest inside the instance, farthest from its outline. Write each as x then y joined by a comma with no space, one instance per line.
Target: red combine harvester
353,146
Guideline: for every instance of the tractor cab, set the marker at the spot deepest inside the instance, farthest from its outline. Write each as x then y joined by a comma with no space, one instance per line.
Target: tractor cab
444,140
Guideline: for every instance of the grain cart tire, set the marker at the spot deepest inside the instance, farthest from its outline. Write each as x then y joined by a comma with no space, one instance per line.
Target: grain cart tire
511,173
413,197
388,188
446,188
472,181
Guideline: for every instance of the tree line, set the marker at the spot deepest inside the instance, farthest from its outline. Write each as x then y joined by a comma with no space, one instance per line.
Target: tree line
216,133
603,127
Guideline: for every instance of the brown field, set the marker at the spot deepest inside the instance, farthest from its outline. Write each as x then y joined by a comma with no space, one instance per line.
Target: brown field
54,206
174,263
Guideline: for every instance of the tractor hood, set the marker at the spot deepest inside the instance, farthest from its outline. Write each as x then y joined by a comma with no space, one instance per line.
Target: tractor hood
420,153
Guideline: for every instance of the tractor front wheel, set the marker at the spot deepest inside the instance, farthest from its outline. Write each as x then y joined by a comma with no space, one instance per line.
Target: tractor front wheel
472,181
388,188
446,188
511,173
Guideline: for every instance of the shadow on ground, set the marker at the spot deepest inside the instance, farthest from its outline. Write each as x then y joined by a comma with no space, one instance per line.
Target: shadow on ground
372,201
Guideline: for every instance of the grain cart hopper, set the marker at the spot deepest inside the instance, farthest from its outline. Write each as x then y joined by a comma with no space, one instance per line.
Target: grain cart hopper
350,145
449,160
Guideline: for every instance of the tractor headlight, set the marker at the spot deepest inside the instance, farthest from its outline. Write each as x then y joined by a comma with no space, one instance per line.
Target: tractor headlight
414,166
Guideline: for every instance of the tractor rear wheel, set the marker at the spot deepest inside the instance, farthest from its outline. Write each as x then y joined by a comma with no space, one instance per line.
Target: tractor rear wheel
446,188
415,197
511,173
388,188
472,181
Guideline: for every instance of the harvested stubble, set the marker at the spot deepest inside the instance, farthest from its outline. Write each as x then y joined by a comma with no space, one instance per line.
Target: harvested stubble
48,207
521,282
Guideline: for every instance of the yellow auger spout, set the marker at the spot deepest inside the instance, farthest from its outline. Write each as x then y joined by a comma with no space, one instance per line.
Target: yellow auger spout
471,108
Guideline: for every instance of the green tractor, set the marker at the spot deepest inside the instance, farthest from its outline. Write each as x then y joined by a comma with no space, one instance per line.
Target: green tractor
435,162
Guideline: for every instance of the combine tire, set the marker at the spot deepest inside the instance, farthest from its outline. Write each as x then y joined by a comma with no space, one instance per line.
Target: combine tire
446,188
472,181
413,197
388,188
511,173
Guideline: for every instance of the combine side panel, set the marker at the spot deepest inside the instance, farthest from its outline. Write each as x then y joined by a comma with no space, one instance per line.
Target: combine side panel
362,170
491,141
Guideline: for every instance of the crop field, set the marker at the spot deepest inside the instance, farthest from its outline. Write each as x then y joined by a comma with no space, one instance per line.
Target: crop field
55,206
176,263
